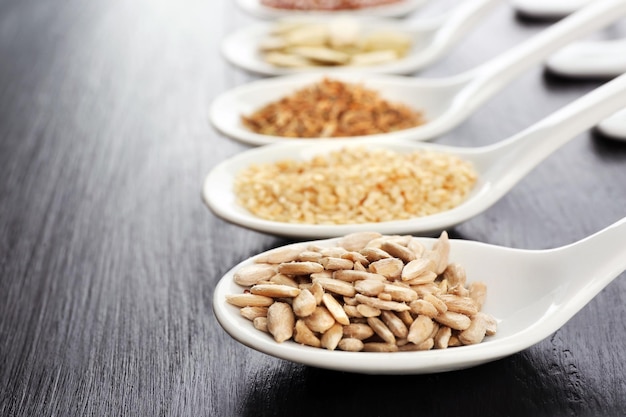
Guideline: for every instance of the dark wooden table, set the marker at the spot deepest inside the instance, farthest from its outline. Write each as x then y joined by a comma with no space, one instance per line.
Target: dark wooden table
108,257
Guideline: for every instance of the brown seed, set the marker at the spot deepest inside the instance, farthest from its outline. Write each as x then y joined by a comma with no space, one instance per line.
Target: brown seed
249,300
253,312
251,274
381,304
260,323
478,292
417,267
304,304
304,335
280,255
464,305
395,324
353,276
443,337
390,267
475,333
425,345
280,321
357,241
381,329
369,287
335,309
367,311
318,291
400,293
396,250
274,290
359,331
300,268
374,254
283,279
333,264
320,321
456,321
330,338
380,347
442,248
424,308
420,330
336,286
350,345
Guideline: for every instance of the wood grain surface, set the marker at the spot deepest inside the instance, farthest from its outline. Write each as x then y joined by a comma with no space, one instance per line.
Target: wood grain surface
108,257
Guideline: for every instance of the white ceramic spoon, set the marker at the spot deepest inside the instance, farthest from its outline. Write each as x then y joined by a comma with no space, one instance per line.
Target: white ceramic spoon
400,9
594,59
431,40
614,127
446,102
590,59
548,9
499,166
531,293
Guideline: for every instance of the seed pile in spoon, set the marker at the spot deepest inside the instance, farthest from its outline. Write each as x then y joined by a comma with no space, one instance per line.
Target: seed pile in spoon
355,185
336,42
331,108
325,4
369,293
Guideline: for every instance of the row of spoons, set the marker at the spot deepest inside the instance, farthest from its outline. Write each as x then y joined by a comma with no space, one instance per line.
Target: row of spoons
550,286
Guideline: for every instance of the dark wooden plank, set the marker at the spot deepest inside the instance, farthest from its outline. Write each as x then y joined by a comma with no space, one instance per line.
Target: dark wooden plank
108,257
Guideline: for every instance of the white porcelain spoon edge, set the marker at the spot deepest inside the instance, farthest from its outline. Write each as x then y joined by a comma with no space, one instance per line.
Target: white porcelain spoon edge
432,39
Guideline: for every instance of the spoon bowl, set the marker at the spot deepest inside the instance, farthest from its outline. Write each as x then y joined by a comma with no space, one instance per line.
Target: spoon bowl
431,39
590,59
499,167
445,102
436,99
594,59
531,294
614,126
257,9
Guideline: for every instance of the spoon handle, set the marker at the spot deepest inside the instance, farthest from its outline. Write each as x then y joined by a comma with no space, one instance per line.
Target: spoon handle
495,74
511,159
599,258
460,21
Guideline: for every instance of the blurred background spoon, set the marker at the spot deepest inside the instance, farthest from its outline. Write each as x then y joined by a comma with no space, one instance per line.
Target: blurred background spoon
594,59
548,9
400,9
430,39
590,59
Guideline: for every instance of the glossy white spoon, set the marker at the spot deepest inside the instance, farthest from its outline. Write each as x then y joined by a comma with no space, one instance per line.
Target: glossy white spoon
590,59
614,127
446,102
431,40
595,59
548,9
399,9
531,293
499,167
